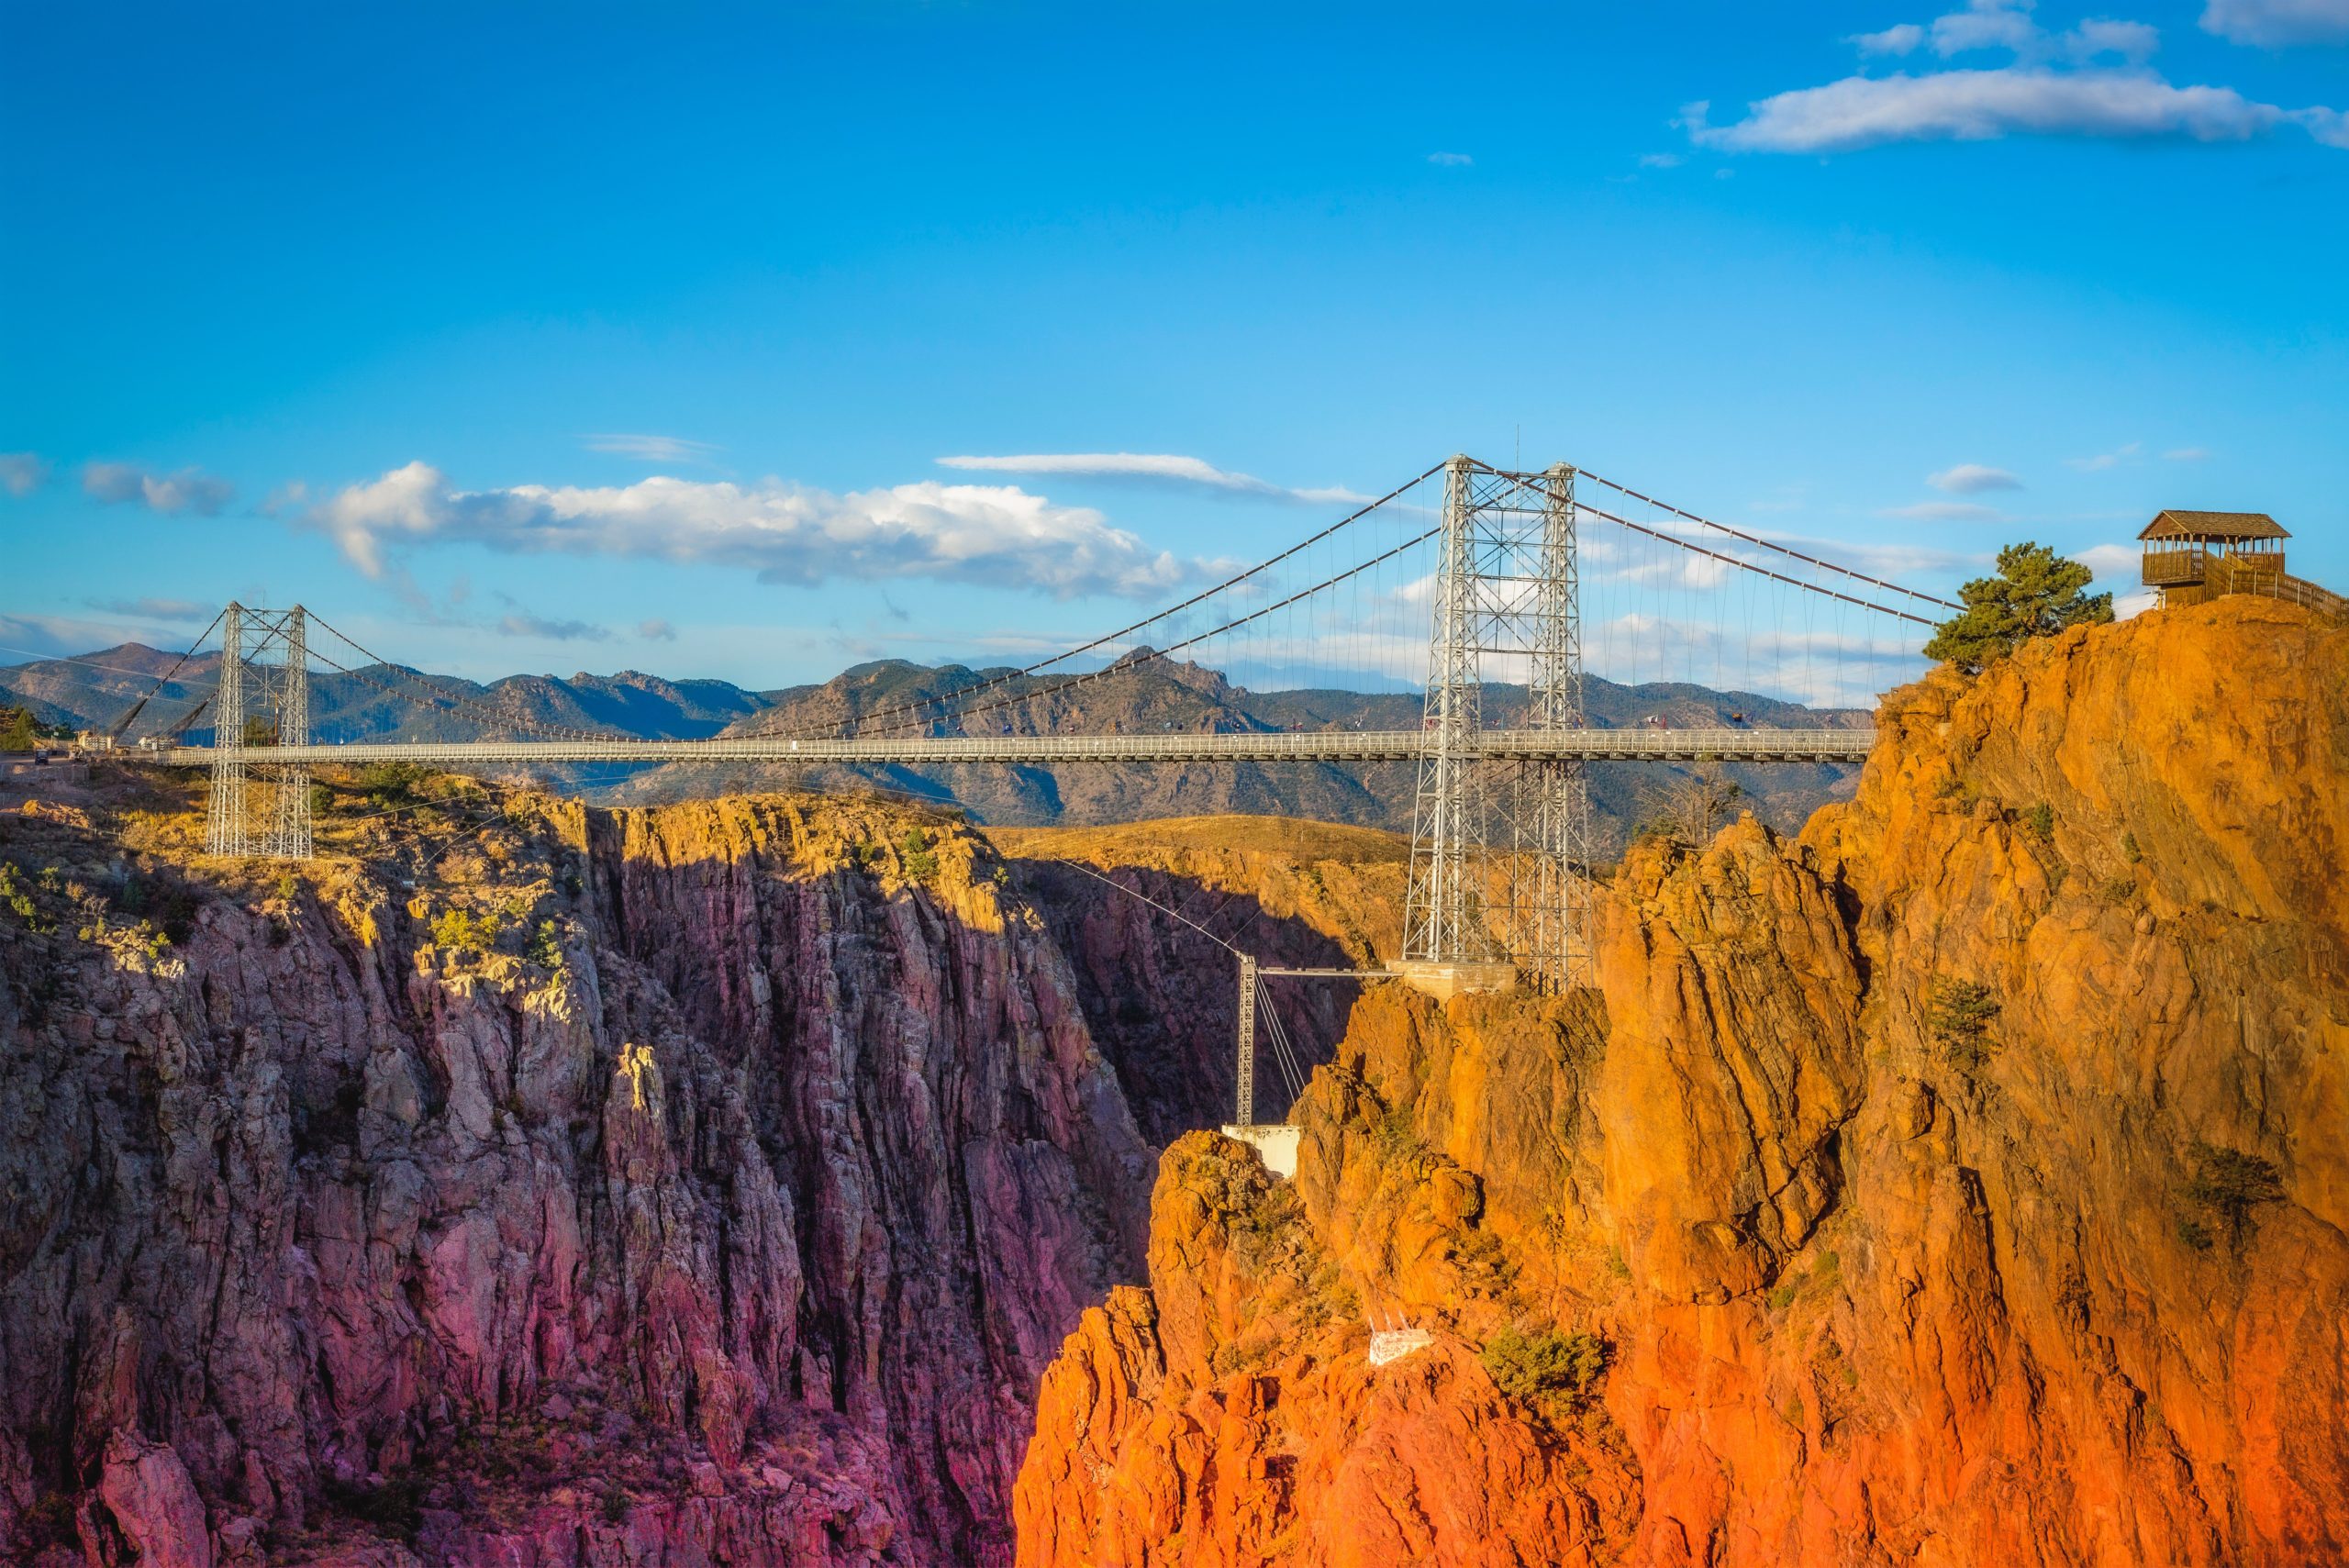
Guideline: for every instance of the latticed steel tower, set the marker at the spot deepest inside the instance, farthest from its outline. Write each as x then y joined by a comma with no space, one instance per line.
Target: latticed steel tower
1500,849
282,792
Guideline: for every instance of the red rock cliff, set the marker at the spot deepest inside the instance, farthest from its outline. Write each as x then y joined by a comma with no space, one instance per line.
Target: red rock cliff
1962,1183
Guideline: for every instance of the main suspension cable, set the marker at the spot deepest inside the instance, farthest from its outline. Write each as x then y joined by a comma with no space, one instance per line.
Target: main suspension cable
423,696
992,683
124,723
1748,566
1758,540
1156,654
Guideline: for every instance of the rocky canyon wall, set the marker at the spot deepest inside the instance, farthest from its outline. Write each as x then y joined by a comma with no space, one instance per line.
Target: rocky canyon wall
1961,1183
703,1185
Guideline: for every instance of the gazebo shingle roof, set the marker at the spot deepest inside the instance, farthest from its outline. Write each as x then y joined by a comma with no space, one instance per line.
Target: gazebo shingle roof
2214,524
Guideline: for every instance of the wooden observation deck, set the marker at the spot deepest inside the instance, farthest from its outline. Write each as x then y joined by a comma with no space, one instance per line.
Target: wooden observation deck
2191,557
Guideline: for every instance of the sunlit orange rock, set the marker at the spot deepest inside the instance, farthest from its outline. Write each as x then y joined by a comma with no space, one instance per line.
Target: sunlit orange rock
1963,1183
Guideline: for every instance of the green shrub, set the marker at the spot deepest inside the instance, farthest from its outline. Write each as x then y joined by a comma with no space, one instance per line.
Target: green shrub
2037,593
1548,1373
2041,820
546,946
2230,1184
389,785
921,864
1960,1014
18,900
2129,850
2194,1233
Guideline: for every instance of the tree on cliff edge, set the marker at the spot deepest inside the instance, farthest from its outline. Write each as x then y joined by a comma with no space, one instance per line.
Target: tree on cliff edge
2037,593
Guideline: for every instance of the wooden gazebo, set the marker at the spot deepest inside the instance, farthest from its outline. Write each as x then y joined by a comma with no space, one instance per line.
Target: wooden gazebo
2194,556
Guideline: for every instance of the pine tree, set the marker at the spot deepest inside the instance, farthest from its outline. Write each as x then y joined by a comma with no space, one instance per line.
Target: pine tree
2037,593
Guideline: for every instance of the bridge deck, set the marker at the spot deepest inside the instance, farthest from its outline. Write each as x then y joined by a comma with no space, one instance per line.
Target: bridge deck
1317,745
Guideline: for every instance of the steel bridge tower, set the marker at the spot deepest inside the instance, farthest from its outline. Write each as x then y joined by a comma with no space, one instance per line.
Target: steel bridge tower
1500,850
283,792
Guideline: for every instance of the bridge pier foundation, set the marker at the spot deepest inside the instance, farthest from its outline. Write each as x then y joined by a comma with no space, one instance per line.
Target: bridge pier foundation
1444,981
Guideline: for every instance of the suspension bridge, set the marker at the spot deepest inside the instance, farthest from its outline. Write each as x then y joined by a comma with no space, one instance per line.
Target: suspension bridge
1484,593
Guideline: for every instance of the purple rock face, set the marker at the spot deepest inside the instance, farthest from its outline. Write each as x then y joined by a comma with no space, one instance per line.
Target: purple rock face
705,1184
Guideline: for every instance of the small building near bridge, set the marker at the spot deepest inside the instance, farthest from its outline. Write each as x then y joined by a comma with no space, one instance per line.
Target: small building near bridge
2194,556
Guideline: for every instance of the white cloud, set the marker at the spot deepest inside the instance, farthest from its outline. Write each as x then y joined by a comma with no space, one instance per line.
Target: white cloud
2103,461
2186,454
2329,127
652,448
1983,105
2278,24
155,609
2056,85
2111,561
1972,479
1985,23
1661,161
1902,40
188,490
1450,159
999,536
520,623
656,631
2135,42
1942,512
2126,606
1166,468
22,473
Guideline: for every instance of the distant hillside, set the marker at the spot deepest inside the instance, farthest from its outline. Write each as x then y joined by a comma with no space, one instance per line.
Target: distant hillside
1135,697
93,690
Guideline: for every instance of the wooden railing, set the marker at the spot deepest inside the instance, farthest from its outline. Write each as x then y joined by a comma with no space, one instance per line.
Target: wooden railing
2197,563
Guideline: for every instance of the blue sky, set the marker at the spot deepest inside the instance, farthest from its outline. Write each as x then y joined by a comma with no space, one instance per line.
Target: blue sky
591,337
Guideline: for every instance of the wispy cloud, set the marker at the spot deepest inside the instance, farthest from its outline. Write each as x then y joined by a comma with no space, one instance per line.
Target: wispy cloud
2110,562
154,610
1905,38
1450,159
997,536
1157,468
656,631
2278,24
1661,161
1942,512
189,490
1972,479
2089,82
21,473
2102,461
521,623
652,448
2186,454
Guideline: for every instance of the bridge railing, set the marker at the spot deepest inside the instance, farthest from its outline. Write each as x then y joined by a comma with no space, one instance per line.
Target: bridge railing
1316,745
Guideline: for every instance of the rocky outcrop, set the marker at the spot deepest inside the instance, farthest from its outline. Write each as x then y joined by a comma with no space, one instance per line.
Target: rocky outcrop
1960,1183
704,1185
